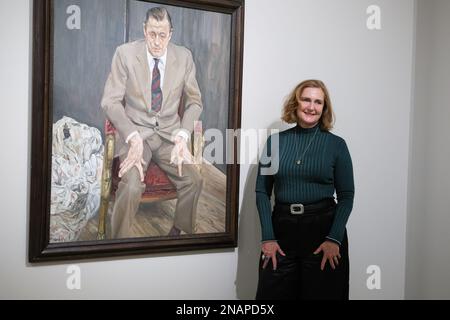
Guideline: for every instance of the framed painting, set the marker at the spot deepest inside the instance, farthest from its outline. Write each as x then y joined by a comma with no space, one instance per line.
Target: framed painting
133,102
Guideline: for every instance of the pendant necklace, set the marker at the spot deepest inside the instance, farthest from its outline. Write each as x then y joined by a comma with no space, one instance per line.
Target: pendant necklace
299,161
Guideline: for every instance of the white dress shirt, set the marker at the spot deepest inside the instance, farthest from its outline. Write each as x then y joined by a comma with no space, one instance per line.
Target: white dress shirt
161,66
162,69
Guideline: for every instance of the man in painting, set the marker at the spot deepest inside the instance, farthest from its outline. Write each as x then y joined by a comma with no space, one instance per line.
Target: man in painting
149,79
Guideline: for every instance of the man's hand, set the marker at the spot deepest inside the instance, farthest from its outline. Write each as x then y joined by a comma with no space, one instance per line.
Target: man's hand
330,253
134,157
180,153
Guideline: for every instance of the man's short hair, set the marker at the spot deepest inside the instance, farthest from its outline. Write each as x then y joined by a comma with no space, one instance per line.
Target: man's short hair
159,14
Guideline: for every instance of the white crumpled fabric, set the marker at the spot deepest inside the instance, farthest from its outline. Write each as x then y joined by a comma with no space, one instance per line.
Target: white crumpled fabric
77,159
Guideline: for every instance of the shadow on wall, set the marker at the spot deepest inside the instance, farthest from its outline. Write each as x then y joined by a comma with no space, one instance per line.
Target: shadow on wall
249,241
249,244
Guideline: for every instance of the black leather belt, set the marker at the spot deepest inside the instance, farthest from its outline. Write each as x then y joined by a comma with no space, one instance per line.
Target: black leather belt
298,208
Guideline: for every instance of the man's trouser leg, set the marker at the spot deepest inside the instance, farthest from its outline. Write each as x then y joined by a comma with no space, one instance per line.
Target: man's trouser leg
188,186
128,197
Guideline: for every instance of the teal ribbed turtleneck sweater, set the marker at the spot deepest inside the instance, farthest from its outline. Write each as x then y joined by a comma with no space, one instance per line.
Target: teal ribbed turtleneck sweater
326,167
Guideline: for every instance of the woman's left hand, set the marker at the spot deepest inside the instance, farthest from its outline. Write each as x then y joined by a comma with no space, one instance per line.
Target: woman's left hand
330,253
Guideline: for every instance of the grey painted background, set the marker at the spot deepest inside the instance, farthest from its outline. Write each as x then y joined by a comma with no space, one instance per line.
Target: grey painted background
82,58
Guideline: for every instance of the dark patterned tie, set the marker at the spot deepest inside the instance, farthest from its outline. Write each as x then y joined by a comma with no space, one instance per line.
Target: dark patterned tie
156,88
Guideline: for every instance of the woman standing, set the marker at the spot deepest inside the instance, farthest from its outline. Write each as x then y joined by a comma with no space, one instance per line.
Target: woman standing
304,241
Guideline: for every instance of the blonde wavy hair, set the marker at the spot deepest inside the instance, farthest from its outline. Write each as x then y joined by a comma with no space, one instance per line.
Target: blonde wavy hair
290,106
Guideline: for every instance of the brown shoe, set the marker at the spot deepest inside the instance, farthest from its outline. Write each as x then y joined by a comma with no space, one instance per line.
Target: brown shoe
174,232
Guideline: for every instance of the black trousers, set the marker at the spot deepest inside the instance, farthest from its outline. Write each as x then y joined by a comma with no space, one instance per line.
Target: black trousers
298,275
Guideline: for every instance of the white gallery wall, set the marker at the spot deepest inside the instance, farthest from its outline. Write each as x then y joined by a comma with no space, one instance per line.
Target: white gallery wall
428,256
186,276
369,74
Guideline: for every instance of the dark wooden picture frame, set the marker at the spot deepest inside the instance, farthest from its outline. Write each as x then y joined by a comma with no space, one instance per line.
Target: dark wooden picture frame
40,248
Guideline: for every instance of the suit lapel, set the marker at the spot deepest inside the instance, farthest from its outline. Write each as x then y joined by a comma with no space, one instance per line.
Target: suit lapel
142,71
169,73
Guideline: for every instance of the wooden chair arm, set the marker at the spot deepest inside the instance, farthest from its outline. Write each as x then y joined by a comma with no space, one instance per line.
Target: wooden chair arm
106,183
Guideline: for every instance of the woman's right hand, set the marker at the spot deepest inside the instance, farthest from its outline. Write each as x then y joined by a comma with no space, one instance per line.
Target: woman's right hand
269,251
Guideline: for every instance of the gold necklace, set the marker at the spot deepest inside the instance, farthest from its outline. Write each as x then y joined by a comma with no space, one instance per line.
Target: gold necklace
299,161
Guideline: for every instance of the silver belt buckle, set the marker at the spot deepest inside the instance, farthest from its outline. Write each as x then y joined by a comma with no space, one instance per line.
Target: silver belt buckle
297,208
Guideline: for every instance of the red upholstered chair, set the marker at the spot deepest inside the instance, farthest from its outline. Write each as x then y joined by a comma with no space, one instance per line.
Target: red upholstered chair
157,186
